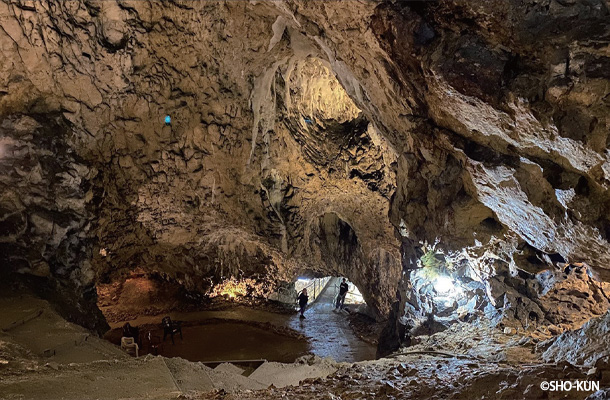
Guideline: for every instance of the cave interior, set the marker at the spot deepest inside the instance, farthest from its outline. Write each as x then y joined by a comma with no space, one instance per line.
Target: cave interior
175,174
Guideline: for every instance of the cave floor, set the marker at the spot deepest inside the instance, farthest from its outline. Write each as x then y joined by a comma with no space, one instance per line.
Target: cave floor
83,366
423,377
329,331
232,334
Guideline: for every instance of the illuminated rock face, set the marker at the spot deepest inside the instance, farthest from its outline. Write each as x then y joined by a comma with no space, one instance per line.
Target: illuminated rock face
329,137
584,346
267,168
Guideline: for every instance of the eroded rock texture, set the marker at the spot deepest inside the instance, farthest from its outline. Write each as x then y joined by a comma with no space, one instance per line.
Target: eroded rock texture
44,213
268,168
309,136
585,346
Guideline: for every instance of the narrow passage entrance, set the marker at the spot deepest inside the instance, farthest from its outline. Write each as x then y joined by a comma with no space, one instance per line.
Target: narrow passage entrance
328,329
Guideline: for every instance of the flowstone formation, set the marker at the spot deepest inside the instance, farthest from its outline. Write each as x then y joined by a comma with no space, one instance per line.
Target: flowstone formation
324,138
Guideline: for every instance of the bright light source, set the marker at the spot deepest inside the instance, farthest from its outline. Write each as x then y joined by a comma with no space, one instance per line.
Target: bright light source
443,284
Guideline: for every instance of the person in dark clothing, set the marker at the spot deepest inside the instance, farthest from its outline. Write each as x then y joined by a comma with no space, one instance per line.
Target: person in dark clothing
343,289
303,299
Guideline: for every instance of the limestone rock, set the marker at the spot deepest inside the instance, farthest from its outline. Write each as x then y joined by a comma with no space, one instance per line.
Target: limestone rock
584,346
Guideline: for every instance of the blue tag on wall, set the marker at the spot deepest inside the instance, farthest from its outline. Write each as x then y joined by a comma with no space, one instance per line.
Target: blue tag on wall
168,120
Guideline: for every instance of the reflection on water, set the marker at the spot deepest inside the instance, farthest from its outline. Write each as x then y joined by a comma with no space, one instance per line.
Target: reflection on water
225,341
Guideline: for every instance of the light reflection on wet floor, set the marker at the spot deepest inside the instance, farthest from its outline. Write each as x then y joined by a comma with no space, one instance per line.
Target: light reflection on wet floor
329,334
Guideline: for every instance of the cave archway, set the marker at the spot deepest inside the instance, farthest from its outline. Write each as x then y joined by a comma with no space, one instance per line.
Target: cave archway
337,240
316,286
338,251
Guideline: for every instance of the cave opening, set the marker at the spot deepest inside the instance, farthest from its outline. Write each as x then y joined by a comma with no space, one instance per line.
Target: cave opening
317,286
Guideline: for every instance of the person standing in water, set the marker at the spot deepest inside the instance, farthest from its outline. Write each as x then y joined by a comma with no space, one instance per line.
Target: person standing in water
303,299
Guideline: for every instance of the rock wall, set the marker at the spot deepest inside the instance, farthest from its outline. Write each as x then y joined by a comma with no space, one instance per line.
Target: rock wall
498,113
485,150
45,208
584,346
265,166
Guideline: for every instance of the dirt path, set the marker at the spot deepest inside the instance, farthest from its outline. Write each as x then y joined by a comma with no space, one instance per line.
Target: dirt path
329,330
